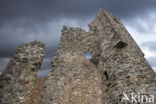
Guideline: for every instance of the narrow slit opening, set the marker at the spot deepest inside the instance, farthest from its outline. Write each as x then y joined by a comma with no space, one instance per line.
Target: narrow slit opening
106,75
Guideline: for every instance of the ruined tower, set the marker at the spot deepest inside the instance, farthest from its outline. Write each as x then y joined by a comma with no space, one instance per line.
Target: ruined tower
19,83
121,60
117,66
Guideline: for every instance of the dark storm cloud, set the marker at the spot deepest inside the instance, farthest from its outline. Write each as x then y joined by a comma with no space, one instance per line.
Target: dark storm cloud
47,9
23,21
14,33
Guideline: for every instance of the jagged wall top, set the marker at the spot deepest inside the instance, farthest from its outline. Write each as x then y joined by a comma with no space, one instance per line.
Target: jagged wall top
117,61
19,80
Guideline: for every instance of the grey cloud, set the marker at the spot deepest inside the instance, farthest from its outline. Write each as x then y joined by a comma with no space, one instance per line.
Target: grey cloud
144,23
27,20
151,45
15,33
3,62
47,9
23,21
152,62
49,33
43,72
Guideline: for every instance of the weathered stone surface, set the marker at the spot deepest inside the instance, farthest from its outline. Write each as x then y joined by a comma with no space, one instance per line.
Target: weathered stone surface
121,62
73,79
117,65
19,82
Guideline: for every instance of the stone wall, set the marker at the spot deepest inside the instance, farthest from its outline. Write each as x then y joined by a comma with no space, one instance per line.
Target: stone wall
121,62
117,65
73,79
19,82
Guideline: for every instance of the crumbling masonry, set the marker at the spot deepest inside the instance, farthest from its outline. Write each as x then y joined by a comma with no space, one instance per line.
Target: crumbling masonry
19,83
117,67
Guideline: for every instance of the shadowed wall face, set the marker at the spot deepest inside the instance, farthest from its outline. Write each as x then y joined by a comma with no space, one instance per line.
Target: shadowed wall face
19,80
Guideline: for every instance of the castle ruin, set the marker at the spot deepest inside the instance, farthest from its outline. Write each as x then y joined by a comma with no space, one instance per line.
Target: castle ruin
117,67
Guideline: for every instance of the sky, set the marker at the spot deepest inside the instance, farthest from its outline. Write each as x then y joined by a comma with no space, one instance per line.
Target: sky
23,21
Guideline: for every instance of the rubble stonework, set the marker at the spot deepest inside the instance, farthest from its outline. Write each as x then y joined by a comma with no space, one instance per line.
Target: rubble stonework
121,62
117,65
115,70
19,83
73,79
